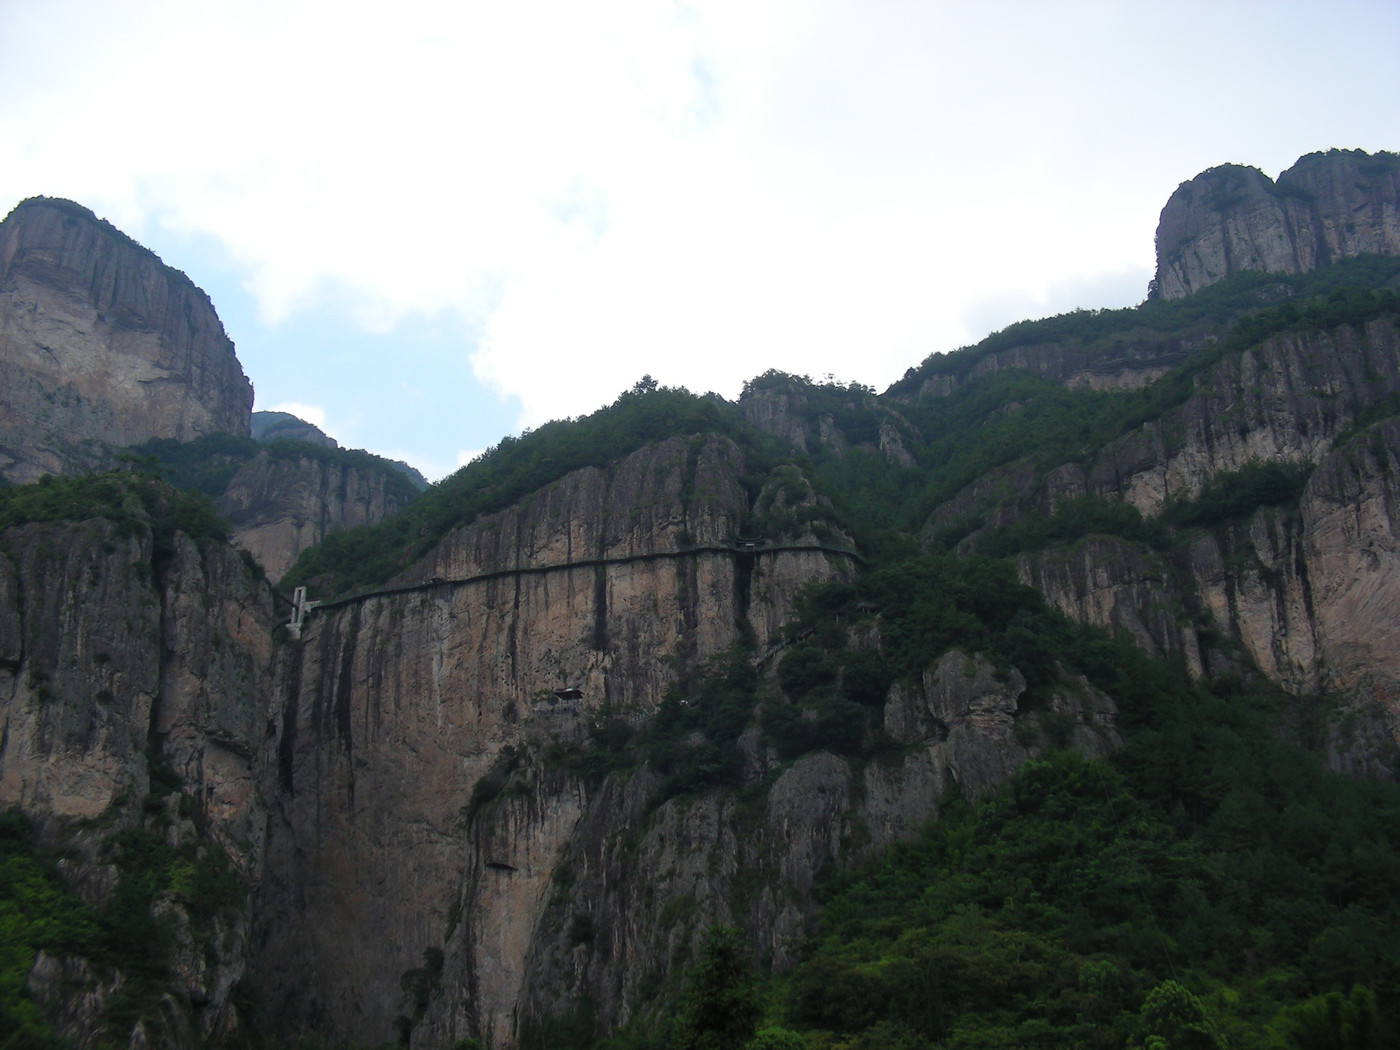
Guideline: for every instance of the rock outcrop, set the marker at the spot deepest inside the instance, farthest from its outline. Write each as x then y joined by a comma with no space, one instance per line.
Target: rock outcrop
279,426
284,500
134,681
1327,207
102,344
639,876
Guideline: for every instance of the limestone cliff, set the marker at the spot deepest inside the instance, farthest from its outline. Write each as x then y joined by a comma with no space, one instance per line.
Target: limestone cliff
279,426
1284,399
1307,595
588,899
285,499
133,686
102,343
598,589
1328,206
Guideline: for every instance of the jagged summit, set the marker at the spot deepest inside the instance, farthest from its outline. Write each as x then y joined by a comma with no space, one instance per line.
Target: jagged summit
1327,207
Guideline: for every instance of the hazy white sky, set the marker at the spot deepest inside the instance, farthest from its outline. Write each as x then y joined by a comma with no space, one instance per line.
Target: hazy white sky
431,224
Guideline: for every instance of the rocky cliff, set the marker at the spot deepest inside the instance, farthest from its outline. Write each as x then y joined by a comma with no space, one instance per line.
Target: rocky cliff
1327,207
134,683
1299,398
283,500
102,343
590,596
502,794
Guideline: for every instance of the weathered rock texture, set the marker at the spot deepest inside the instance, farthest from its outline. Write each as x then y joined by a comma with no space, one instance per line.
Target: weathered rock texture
1284,400
1328,206
278,426
1309,595
607,581
636,882
280,503
113,655
101,342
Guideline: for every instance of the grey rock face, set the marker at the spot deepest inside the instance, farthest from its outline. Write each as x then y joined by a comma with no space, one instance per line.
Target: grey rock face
1328,206
114,658
102,343
280,505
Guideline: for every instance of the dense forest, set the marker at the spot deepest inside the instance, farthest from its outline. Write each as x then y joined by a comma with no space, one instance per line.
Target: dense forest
1210,883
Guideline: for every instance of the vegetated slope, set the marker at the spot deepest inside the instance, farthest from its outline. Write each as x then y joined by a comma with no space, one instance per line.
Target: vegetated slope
1211,860
860,704
1211,749
861,697
889,460
506,473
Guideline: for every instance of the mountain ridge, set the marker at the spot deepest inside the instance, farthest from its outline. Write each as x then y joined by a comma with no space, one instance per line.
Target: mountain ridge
625,679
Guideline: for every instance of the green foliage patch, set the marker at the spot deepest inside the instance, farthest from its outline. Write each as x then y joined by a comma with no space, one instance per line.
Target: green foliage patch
1057,913
37,913
133,502
207,464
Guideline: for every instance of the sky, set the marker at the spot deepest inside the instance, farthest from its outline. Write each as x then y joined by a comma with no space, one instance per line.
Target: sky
429,225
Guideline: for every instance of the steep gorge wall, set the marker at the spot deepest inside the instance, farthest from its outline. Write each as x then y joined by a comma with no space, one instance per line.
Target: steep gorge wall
1300,594
1285,399
102,343
121,664
1309,595
399,705
643,874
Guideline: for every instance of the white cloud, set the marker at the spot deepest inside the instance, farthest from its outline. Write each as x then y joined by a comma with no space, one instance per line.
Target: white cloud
697,191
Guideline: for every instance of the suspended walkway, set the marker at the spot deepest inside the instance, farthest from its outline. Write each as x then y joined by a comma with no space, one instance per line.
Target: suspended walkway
302,607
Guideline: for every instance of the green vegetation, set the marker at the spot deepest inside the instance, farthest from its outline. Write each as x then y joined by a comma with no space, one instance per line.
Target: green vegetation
986,423
1208,885
722,1006
133,502
1236,494
38,912
1206,312
1053,914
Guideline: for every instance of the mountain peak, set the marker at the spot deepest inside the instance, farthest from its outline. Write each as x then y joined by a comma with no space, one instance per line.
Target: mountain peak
102,343
1231,218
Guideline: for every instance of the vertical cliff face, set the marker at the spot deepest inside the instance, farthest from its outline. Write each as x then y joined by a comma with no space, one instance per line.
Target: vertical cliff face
101,342
130,719
1309,596
1285,400
632,876
417,792
608,583
1327,207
